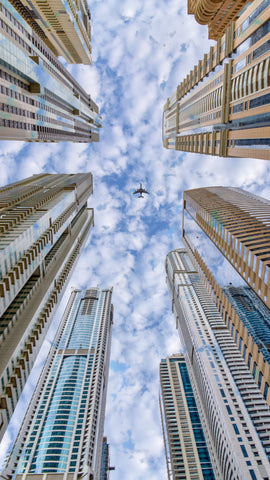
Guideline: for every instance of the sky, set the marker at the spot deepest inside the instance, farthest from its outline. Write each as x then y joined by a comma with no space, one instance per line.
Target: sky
141,51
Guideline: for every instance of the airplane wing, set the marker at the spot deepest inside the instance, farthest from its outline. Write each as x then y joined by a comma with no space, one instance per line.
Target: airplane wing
136,191
145,191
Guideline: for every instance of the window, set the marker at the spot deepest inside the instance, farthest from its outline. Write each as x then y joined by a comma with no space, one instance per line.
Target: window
266,388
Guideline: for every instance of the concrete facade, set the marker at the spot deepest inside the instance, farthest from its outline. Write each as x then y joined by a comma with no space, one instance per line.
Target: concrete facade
235,222
217,14
40,101
63,26
222,107
233,412
44,225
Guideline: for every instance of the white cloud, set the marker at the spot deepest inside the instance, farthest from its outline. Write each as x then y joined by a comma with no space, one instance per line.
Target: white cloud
141,50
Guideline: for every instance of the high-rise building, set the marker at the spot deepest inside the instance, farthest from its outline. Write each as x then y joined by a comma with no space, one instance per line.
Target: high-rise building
233,412
40,100
44,224
105,461
227,230
61,437
255,317
217,14
185,445
237,222
222,107
63,26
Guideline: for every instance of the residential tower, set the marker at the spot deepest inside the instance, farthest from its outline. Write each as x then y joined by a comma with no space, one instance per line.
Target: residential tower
233,412
44,224
227,231
217,14
222,107
63,26
40,101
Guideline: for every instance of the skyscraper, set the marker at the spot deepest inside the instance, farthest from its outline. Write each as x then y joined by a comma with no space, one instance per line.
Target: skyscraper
222,106
185,445
40,100
63,26
105,461
227,231
44,224
216,14
237,222
62,433
233,412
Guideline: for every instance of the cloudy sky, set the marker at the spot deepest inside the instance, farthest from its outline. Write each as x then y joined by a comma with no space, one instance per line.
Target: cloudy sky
141,51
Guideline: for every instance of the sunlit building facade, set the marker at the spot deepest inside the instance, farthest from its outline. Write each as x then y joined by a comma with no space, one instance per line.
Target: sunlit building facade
185,445
44,224
227,231
217,14
233,411
40,101
63,26
61,437
222,107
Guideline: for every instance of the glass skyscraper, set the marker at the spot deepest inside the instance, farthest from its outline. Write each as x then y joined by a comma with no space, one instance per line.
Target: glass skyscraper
44,224
186,449
256,318
222,107
233,412
62,433
40,100
105,461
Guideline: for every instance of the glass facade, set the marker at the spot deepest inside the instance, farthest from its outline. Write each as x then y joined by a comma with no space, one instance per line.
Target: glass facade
104,470
186,450
65,434
202,449
254,315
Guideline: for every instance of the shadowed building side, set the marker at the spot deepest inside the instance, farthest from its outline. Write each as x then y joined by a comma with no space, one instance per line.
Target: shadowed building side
222,107
44,224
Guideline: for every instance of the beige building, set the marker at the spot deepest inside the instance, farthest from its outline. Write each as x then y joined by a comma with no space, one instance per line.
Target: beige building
222,107
226,230
44,224
63,26
40,101
217,14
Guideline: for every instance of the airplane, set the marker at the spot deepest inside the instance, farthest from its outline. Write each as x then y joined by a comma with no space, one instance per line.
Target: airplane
140,191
